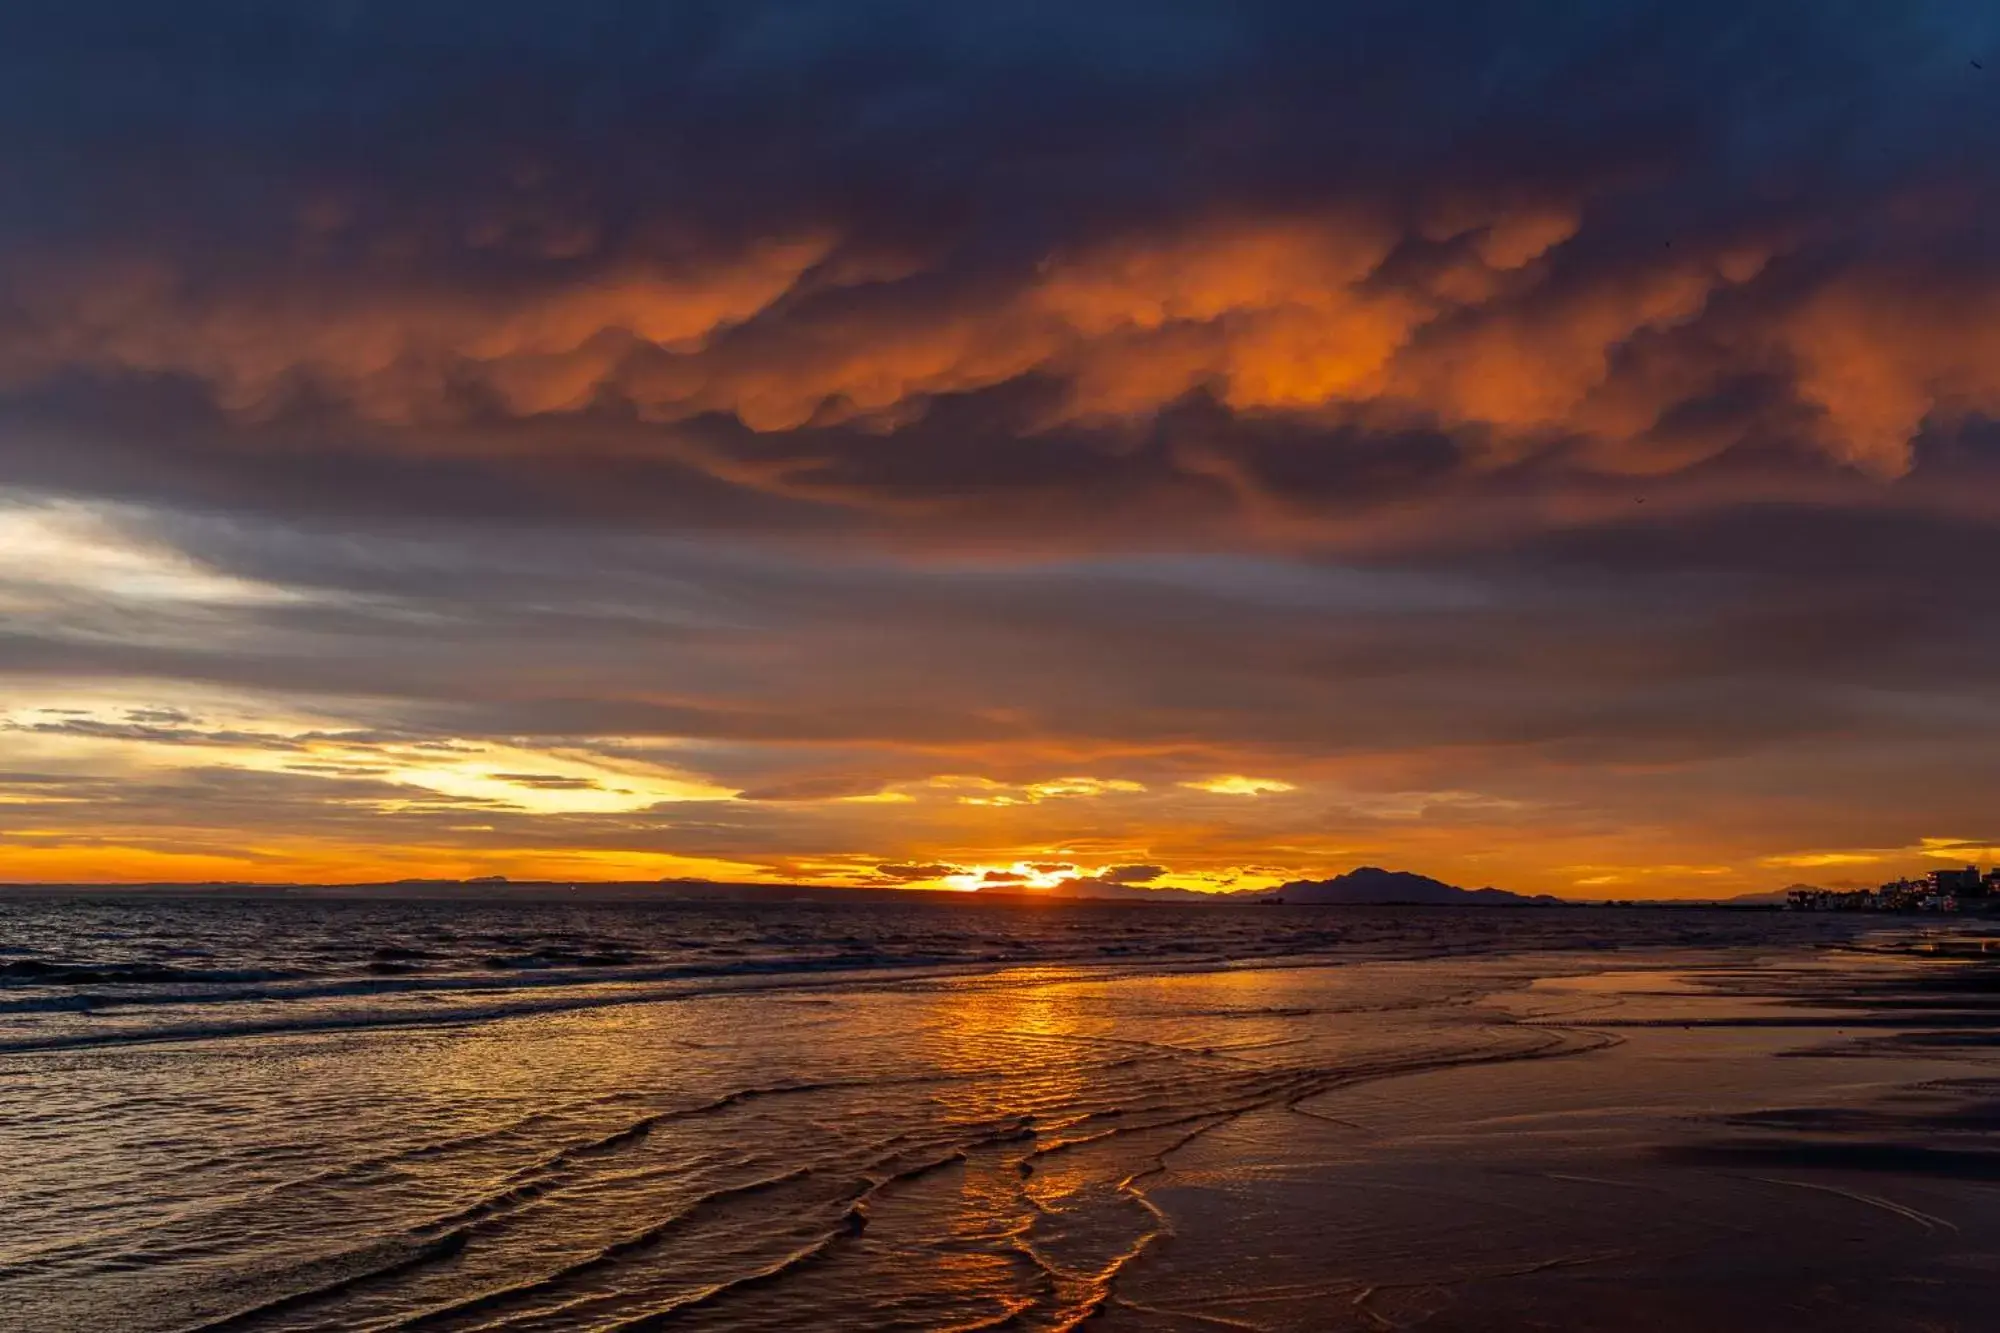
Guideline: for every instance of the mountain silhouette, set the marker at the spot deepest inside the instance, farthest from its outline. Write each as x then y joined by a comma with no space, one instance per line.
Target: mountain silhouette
1374,885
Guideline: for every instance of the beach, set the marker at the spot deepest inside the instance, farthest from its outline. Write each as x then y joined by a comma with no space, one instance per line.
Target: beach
1748,1149
971,1116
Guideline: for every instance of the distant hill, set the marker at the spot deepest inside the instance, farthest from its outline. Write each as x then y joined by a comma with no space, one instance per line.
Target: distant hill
1775,898
1371,885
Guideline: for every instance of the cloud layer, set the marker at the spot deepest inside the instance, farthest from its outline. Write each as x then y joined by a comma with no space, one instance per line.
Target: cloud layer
1547,446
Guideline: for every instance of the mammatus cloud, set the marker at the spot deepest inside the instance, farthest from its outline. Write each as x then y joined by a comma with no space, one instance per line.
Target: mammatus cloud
383,346
1522,294
1504,326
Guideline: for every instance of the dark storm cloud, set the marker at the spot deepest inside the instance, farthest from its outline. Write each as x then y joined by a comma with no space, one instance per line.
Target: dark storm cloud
1065,273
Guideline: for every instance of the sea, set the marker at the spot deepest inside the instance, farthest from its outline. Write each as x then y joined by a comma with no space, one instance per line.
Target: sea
274,1113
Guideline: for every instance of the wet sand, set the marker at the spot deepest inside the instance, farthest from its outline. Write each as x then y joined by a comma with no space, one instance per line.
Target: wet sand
1805,1142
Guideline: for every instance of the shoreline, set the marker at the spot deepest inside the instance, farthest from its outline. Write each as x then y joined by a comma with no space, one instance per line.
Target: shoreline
1404,1129
1721,1159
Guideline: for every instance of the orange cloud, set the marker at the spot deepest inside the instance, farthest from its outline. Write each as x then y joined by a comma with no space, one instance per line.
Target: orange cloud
1881,354
1469,322
393,345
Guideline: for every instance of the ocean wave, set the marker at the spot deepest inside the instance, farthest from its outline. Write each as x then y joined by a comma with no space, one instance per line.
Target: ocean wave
326,1279
41,972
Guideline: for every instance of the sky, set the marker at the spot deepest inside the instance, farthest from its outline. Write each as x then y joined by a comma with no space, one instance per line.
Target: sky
1551,445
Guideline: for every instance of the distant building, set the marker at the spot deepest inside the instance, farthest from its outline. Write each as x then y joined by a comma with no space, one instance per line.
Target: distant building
1904,895
1834,900
1966,881
1938,891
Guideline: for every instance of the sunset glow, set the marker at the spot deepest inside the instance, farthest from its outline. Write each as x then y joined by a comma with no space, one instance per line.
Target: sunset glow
1363,458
